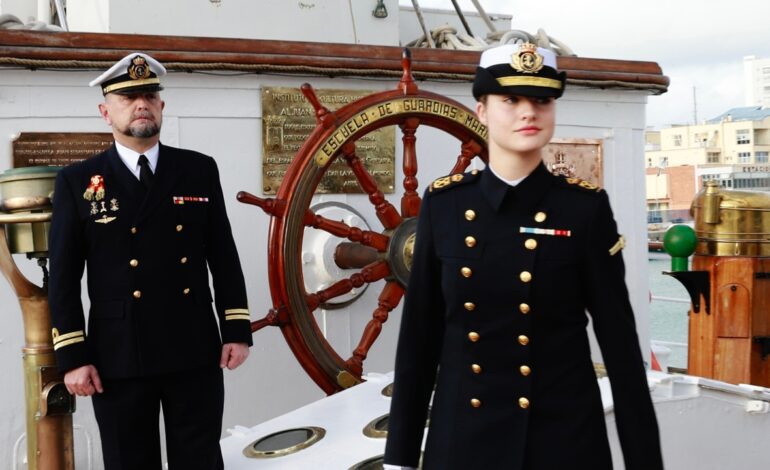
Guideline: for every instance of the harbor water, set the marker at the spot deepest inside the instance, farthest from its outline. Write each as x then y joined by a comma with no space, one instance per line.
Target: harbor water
668,320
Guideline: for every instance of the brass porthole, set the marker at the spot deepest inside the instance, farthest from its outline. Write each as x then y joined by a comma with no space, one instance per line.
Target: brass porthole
377,428
281,443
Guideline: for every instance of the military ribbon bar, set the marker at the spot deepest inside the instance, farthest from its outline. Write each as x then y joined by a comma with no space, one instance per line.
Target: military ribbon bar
546,231
183,199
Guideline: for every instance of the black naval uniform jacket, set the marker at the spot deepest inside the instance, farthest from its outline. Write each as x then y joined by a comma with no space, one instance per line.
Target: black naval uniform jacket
495,316
146,255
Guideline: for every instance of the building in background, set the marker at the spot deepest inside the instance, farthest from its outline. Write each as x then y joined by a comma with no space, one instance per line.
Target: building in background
731,148
756,76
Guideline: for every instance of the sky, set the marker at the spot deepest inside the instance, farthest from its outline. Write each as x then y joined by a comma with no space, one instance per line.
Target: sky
697,43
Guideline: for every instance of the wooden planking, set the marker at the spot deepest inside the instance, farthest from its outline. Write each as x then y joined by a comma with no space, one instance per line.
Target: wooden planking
731,360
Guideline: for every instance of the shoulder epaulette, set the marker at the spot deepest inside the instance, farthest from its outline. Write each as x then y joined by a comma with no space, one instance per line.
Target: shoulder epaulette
577,183
452,180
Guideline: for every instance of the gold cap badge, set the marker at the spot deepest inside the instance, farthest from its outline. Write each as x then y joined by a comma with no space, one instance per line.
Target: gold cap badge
527,59
138,69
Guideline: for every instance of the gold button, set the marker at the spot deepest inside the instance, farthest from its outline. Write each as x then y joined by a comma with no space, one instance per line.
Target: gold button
470,214
179,228
469,306
540,217
523,403
133,230
530,244
523,340
134,263
137,294
525,276
476,368
473,336
183,260
475,402
186,290
466,272
470,242
525,370
524,308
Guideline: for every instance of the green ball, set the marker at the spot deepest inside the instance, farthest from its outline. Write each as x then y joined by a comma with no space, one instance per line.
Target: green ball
680,241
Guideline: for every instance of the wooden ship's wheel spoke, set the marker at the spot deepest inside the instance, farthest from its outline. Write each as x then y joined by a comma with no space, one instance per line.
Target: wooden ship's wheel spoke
376,256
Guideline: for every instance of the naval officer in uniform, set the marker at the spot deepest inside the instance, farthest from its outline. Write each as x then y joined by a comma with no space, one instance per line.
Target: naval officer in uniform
148,222
507,262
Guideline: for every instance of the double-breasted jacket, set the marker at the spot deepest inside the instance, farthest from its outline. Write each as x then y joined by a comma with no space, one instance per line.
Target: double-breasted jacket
148,255
495,317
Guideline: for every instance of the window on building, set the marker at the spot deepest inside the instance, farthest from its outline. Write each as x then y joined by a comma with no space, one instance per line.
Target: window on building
649,162
742,136
662,162
744,157
761,157
712,157
677,140
699,139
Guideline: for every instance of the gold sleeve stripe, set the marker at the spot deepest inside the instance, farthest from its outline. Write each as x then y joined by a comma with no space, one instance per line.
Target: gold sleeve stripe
529,81
57,338
61,344
231,311
237,317
621,243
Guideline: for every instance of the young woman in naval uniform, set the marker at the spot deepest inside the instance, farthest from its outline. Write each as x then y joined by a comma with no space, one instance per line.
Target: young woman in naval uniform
507,262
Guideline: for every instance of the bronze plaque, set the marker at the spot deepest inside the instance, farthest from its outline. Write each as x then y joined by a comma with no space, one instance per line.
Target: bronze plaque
287,121
575,158
57,148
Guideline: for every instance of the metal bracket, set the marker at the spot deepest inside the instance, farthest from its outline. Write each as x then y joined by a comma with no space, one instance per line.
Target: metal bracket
764,342
697,284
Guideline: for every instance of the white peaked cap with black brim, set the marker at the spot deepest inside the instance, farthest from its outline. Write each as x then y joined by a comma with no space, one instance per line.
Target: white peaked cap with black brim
518,69
135,73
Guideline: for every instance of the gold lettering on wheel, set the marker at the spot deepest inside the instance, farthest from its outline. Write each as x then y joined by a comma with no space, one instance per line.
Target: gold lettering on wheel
371,115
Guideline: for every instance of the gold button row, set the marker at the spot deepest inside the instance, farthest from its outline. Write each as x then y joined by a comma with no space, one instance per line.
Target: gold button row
540,217
183,260
525,370
530,244
470,214
179,228
524,308
525,276
473,336
133,263
466,271
476,368
470,242
469,306
137,294
523,403
523,340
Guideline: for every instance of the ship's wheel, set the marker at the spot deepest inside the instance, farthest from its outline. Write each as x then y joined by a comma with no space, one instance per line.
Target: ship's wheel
378,255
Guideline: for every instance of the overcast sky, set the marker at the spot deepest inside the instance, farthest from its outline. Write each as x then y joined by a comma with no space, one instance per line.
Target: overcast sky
697,43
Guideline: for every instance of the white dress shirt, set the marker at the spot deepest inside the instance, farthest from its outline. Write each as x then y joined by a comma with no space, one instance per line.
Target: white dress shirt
131,157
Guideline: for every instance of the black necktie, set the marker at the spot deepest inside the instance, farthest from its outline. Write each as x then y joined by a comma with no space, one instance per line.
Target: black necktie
145,173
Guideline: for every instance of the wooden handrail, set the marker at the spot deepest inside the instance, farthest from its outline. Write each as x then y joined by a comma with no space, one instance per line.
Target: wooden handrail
38,49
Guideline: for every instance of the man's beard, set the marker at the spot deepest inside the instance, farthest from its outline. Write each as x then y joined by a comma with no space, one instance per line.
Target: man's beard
144,130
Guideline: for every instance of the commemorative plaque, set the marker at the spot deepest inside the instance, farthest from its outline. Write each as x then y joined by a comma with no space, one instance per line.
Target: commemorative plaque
575,158
287,121
57,148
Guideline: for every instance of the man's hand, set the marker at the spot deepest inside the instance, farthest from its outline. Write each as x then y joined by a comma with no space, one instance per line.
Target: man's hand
233,355
83,381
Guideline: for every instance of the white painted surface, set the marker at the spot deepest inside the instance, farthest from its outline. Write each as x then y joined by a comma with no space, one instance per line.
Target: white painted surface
699,419
338,21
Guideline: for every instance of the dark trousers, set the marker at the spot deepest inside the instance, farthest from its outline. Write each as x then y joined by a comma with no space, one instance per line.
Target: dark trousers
128,415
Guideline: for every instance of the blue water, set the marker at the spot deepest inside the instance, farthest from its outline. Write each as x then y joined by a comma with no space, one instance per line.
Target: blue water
668,321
